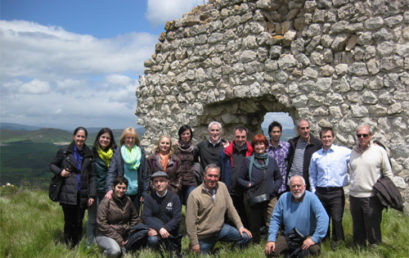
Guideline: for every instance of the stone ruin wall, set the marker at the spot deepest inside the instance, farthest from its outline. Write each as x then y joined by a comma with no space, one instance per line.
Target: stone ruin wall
342,62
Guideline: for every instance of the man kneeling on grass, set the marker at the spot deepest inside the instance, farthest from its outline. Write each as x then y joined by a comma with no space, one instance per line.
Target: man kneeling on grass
305,222
162,214
205,211
118,230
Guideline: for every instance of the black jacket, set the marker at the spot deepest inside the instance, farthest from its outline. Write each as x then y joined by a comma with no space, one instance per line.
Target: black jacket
117,169
388,194
312,147
162,212
65,159
262,182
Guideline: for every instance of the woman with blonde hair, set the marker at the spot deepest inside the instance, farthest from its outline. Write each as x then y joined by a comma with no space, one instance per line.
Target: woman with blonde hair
129,161
163,159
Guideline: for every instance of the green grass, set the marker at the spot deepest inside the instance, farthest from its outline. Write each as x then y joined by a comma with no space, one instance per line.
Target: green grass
31,226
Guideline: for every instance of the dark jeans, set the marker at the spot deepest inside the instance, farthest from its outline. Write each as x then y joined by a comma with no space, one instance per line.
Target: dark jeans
92,218
259,215
226,234
73,215
282,247
366,220
184,193
333,200
238,203
136,200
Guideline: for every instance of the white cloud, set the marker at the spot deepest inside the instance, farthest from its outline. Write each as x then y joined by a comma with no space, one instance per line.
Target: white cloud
161,11
51,77
35,87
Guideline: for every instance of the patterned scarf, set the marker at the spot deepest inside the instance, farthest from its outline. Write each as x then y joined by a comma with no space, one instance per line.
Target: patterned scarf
105,156
186,147
258,164
132,158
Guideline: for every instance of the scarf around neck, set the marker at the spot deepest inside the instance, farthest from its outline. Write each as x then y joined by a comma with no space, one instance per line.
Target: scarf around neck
186,147
105,156
257,164
132,158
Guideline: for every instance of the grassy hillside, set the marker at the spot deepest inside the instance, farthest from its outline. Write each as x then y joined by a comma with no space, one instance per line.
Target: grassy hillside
26,163
31,226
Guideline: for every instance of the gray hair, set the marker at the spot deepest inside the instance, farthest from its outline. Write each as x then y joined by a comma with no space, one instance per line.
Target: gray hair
214,123
299,121
212,165
363,126
302,178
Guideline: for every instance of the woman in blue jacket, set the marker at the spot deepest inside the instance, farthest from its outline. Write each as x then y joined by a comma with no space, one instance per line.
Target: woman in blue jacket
261,179
103,151
129,161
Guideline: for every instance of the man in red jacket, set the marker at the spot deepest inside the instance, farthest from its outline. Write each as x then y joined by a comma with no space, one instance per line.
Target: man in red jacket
232,157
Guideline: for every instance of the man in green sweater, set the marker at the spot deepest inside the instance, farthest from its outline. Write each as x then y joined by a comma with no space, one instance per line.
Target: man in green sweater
206,207
367,164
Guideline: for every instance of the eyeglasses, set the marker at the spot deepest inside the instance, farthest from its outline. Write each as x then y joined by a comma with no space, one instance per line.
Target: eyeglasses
362,135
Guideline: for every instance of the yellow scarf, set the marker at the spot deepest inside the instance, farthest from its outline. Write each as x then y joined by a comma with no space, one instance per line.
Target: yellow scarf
106,156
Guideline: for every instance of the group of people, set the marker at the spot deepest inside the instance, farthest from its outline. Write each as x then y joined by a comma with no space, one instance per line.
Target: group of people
233,191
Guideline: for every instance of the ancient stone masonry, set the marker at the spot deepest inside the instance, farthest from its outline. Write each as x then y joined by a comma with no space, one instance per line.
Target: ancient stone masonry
342,61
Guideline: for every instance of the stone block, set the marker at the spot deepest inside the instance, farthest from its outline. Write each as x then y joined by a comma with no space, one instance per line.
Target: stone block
374,23
358,69
248,56
359,111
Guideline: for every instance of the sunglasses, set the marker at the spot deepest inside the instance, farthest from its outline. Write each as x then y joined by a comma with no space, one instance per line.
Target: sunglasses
362,135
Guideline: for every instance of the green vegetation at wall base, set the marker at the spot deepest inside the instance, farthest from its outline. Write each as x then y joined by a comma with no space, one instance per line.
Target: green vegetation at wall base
31,226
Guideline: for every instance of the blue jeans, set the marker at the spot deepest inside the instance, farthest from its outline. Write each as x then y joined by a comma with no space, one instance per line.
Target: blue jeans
226,234
92,218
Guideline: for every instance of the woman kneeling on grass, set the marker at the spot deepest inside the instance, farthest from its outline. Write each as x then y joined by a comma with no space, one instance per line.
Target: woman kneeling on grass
78,191
118,229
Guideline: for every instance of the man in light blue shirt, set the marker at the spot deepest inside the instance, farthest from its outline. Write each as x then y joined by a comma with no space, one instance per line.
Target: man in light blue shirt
300,211
328,175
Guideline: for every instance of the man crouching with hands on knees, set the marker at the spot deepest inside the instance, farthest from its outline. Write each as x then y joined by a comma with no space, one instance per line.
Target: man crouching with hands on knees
206,207
305,222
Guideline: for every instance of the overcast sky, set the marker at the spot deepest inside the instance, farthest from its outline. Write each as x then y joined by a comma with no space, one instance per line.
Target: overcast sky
75,62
